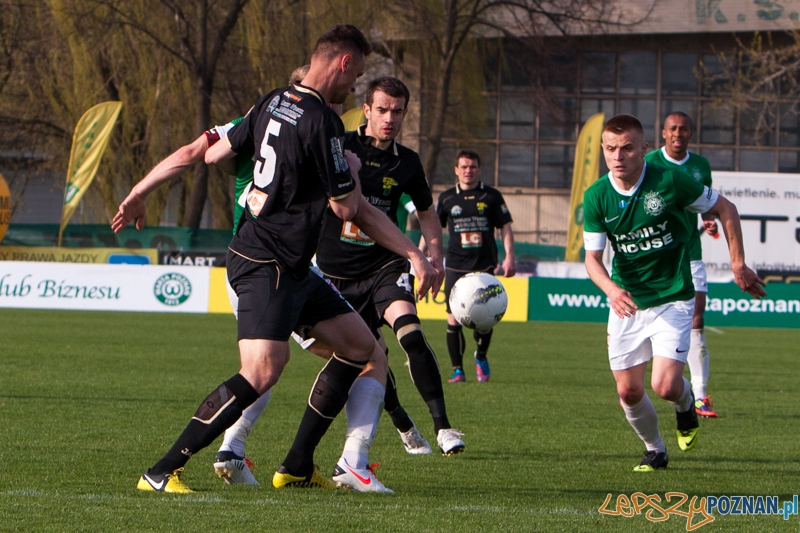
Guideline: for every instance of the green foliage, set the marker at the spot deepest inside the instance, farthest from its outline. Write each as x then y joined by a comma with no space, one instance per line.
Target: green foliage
89,400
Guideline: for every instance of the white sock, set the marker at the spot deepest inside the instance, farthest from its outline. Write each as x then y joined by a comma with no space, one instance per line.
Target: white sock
644,420
363,410
698,363
684,401
236,435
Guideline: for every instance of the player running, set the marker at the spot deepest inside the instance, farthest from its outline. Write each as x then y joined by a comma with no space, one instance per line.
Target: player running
376,280
640,208
300,165
471,212
677,133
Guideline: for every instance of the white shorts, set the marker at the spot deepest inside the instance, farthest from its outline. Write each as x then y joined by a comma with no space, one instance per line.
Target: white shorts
234,299
699,277
664,331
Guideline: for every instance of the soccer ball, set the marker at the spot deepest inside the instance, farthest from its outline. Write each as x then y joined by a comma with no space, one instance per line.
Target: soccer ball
478,301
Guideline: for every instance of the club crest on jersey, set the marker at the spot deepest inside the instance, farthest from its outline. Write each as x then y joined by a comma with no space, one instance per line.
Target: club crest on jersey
653,203
456,210
481,206
388,183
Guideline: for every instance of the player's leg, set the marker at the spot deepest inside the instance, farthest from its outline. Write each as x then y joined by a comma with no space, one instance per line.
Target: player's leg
455,334
424,370
698,359
230,462
363,410
670,334
332,321
263,355
628,352
482,340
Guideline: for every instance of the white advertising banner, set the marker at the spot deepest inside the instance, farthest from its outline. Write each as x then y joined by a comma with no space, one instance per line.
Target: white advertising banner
97,287
769,205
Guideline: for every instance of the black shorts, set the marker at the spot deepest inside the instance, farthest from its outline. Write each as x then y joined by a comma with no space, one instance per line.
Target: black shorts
371,296
272,303
450,278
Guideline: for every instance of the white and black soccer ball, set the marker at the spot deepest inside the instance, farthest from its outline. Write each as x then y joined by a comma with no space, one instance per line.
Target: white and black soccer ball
478,301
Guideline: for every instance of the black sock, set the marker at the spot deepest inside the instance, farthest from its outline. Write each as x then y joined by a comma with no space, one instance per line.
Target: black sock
483,339
328,396
217,413
391,404
455,345
438,414
424,367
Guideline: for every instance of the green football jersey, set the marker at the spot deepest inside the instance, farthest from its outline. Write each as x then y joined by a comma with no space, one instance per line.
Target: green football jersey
648,232
698,168
244,177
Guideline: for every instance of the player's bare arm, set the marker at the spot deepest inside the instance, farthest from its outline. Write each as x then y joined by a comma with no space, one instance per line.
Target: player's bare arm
219,152
621,300
745,278
510,262
133,206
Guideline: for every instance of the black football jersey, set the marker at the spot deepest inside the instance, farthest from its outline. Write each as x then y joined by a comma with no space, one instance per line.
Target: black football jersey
296,141
344,250
471,217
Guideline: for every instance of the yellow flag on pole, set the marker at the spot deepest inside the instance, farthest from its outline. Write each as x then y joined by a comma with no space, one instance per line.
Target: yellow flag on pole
353,119
584,173
89,142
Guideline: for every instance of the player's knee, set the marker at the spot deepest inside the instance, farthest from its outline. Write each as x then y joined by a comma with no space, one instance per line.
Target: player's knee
667,387
378,362
630,395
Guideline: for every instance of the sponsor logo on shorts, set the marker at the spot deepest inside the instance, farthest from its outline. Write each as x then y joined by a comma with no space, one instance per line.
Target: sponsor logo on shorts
172,289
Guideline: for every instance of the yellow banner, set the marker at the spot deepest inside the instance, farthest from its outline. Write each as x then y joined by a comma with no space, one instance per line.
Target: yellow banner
353,119
5,207
128,256
584,173
88,144
517,289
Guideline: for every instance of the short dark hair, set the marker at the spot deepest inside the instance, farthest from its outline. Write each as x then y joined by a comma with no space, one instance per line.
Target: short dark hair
341,38
622,123
681,114
468,154
389,85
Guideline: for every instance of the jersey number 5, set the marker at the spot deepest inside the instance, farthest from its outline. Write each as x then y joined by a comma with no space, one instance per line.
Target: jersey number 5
265,170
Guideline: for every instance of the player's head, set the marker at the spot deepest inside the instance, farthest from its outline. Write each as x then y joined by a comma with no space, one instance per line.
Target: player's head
468,168
341,53
385,107
678,131
624,147
298,74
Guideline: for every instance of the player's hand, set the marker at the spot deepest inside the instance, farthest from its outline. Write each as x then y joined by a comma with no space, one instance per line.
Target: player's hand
622,303
749,282
427,276
509,267
438,264
131,209
710,227
352,160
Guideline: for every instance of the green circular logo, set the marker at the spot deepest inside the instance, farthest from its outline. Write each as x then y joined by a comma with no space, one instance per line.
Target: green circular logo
578,214
172,289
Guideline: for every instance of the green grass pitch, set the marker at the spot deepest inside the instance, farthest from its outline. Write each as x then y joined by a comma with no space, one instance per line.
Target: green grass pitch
89,400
